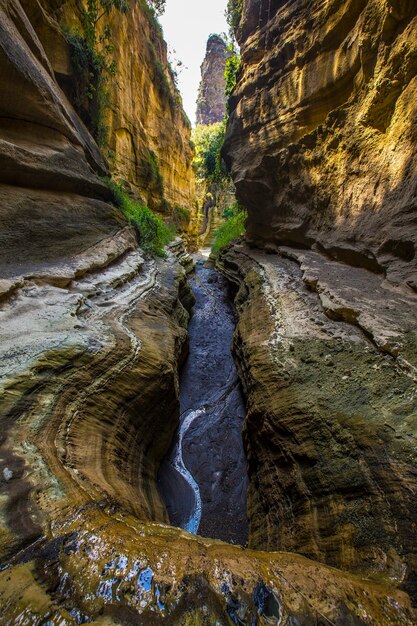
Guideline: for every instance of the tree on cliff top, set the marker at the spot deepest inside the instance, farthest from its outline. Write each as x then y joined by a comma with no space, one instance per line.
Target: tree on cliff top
158,6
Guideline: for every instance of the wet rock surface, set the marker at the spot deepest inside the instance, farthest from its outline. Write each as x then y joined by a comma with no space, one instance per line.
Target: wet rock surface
105,567
212,415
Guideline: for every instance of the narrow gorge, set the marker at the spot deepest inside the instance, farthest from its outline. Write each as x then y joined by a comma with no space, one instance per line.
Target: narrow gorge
196,437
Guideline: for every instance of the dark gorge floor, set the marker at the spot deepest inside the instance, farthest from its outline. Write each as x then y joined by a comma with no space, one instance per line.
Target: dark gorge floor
203,480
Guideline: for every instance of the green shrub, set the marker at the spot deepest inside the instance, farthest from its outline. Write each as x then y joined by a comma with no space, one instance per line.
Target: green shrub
152,172
230,75
181,217
234,14
151,14
208,141
231,229
93,65
152,231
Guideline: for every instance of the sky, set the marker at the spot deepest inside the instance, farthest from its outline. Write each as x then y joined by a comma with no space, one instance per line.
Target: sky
187,25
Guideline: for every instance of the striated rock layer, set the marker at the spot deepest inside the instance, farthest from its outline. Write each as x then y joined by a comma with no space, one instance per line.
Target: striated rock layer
104,567
322,135
327,356
92,333
147,142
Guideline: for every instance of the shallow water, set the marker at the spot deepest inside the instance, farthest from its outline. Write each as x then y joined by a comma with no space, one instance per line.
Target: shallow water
203,480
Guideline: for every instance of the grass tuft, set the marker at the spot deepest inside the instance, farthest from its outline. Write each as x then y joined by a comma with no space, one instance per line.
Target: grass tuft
230,230
153,233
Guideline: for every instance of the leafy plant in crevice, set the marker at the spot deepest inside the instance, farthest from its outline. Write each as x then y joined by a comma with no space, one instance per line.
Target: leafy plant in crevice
152,172
231,229
231,70
234,15
91,59
166,89
181,217
153,233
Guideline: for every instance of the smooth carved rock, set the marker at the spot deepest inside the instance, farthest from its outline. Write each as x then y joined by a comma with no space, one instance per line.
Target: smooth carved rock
107,567
211,102
331,428
321,140
52,199
89,391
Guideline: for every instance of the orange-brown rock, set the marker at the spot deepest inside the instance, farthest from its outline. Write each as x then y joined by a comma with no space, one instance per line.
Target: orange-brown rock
327,356
92,333
148,144
322,136
105,567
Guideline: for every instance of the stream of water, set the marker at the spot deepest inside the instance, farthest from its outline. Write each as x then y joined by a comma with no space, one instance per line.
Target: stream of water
203,479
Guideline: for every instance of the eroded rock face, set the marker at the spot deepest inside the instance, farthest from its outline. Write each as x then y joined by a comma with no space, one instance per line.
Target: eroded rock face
211,103
322,135
52,200
148,135
106,567
146,117
327,356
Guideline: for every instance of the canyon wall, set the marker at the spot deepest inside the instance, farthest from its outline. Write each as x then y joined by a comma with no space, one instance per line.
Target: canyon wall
84,312
322,135
147,134
322,147
92,333
328,360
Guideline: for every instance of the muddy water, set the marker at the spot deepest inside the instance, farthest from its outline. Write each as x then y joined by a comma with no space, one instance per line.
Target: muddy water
203,480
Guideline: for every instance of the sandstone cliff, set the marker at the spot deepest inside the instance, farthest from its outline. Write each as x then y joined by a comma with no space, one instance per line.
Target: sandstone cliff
92,334
322,137
211,103
147,142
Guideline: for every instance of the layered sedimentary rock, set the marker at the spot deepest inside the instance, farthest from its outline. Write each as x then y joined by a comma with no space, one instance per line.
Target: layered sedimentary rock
104,567
322,136
147,142
92,332
211,102
327,356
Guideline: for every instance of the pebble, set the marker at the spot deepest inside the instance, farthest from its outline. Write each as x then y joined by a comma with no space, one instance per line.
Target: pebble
7,474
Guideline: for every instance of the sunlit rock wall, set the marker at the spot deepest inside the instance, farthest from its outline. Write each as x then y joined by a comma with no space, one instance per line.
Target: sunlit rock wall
146,127
322,136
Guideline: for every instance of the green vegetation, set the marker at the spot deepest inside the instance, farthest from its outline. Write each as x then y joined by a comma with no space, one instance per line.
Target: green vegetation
152,173
181,217
208,141
234,15
153,233
230,74
91,59
161,81
231,229
158,6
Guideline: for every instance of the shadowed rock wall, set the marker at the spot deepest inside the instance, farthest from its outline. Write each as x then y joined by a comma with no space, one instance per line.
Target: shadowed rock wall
327,357
322,135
